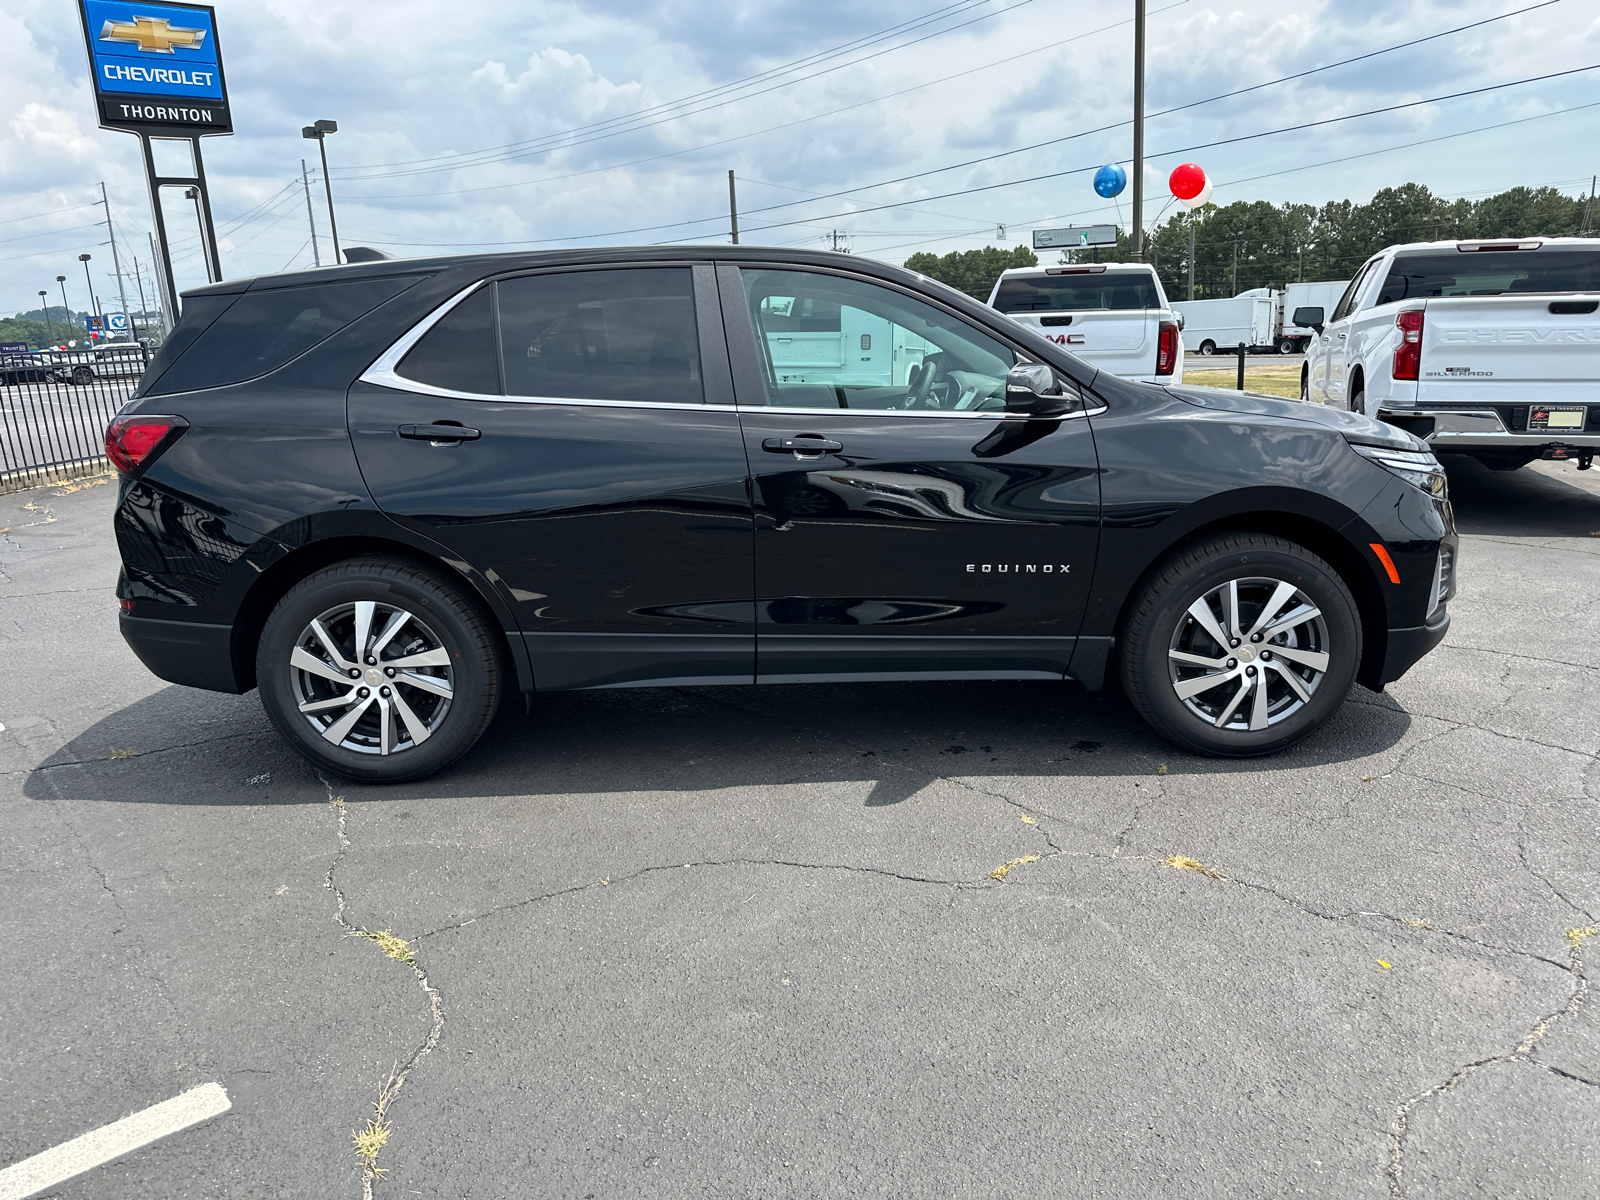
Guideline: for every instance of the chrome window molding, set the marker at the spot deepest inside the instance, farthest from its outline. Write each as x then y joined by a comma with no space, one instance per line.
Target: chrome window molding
383,373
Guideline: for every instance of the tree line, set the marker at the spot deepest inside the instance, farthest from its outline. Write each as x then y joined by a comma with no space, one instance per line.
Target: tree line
1251,244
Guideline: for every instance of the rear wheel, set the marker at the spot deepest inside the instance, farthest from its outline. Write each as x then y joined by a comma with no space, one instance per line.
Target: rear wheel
1241,645
1286,346
1208,347
82,376
1305,384
1358,401
378,670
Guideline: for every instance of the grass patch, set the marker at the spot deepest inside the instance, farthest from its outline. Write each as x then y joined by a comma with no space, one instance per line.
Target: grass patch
1182,862
1273,381
396,948
130,752
1578,936
1004,869
369,1142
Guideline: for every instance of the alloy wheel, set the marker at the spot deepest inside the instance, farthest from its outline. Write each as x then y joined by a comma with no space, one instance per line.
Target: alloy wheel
371,677
1248,653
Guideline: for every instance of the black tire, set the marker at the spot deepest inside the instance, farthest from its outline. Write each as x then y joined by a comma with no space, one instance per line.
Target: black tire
1358,401
1305,384
1156,630
82,376
443,618
1208,347
1286,346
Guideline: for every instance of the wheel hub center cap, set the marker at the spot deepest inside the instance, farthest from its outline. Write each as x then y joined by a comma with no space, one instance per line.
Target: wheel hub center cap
1246,653
374,675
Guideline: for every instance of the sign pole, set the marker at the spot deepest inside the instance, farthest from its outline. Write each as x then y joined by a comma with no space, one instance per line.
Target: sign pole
1136,234
161,248
208,227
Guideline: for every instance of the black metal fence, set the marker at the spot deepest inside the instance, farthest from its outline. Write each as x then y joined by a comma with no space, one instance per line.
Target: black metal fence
54,409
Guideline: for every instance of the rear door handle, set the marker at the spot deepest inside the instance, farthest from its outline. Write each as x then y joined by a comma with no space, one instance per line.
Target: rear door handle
440,433
801,445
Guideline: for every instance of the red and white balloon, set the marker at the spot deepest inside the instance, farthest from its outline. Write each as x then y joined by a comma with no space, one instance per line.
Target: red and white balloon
1190,185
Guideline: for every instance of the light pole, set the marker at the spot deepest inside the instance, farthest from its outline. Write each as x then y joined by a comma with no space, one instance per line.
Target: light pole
66,309
1136,241
48,328
194,194
94,305
318,133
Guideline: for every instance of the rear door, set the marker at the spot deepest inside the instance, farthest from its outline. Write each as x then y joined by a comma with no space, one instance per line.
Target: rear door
905,526
598,475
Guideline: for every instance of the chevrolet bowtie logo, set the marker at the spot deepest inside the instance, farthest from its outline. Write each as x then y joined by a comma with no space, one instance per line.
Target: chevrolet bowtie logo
152,33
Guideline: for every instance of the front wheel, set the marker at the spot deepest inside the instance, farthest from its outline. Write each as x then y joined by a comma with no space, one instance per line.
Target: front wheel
378,670
82,376
1208,347
1241,645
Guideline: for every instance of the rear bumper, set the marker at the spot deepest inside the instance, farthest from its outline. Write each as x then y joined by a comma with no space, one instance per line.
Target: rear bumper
186,652
1447,429
1406,646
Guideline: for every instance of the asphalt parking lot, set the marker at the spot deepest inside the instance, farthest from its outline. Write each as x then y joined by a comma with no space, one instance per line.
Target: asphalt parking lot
887,939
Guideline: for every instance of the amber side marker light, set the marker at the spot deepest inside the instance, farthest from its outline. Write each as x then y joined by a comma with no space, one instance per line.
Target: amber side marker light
1388,563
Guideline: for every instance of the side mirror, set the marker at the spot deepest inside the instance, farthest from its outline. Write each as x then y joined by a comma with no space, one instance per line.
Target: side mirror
1308,318
1035,389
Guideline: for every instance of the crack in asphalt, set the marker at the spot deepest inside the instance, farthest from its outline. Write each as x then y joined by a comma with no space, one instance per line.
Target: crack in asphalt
1522,1051
1039,816
390,1090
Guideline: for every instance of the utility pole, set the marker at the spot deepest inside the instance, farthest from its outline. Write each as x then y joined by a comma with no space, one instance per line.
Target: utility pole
116,262
1300,271
139,279
1588,209
166,318
1191,256
1235,266
733,209
305,178
1136,246
837,238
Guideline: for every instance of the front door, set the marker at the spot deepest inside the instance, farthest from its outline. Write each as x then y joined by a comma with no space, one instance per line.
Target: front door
904,525
599,477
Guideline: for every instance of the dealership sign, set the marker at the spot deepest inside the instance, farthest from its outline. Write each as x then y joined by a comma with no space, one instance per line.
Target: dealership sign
157,67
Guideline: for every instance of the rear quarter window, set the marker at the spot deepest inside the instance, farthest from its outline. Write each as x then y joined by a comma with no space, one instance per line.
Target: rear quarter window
1441,273
260,331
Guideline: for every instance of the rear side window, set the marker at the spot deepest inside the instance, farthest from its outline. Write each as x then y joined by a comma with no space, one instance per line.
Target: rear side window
458,353
260,331
602,335
1489,273
1077,293
198,313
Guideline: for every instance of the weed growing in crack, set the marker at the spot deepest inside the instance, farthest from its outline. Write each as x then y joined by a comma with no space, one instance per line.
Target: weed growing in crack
1578,936
1416,922
369,1142
396,948
1027,820
115,755
336,802
1182,862
1004,869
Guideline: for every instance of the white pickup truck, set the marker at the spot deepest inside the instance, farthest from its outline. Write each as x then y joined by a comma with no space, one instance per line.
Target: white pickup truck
1114,315
1488,348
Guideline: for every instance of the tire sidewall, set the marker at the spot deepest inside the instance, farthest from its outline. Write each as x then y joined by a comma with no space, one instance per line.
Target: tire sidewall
1325,590
444,613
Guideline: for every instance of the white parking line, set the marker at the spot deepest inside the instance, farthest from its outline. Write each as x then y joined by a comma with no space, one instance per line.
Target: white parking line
112,1141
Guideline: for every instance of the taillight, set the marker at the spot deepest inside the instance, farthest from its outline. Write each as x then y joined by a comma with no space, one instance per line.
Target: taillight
1167,349
1408,357
130,440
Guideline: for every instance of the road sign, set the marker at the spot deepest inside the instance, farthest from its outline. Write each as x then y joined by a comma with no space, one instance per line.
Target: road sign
1075,237
117,322
156,67
13,347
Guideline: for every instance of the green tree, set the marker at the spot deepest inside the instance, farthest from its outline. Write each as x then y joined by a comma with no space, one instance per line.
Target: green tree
971,271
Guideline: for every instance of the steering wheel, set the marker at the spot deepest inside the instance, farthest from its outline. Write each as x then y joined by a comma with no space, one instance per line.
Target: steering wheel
920,393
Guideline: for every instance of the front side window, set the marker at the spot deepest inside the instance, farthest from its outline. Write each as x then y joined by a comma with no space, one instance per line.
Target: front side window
827,341
1347,301
602,335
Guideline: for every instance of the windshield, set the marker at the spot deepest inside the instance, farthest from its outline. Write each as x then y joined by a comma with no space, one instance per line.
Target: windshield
1431,273
1077,293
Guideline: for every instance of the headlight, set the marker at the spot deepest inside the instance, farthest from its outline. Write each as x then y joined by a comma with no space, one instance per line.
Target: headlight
1417,467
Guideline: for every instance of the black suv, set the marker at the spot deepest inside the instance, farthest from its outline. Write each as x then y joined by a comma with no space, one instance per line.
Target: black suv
387,493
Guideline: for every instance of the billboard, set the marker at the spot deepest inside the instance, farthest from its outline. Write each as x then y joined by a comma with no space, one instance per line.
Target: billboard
157,67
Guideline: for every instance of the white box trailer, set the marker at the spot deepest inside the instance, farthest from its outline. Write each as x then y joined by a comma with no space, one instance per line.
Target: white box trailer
1292,338
1218,326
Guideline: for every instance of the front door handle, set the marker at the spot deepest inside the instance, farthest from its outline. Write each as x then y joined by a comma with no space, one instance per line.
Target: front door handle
801,445
440,433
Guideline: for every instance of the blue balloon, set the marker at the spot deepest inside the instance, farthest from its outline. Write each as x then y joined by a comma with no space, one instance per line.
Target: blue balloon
1109,180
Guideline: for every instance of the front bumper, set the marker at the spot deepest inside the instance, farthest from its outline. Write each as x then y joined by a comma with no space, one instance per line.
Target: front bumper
1447,429
1406,646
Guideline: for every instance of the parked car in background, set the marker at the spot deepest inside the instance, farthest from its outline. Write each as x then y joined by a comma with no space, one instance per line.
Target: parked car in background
31,368
1490,348
1114,315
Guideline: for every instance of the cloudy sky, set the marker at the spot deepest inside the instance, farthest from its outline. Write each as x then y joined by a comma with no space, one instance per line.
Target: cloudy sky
903,125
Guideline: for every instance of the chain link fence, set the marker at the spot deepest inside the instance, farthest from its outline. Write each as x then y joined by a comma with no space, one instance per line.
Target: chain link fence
54,409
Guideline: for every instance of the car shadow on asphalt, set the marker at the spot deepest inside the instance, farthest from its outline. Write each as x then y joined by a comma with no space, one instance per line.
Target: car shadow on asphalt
1539,500
896,737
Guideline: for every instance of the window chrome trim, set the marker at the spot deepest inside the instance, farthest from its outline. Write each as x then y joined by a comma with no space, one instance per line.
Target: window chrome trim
382,373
